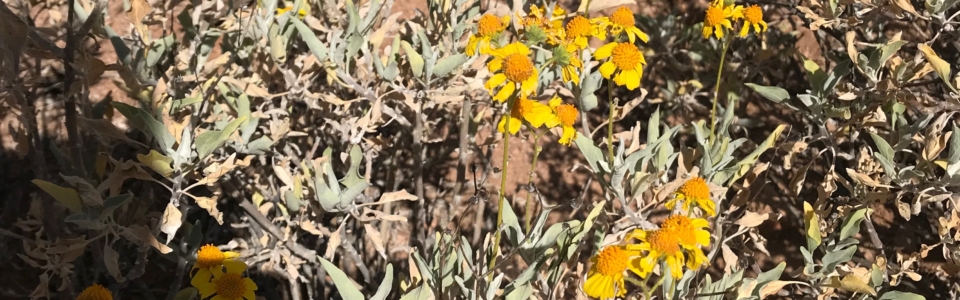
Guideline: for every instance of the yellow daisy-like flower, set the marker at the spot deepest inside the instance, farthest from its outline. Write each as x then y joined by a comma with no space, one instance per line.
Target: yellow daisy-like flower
720,16
511,65
567,115
694,191
753,17
524,109
229,285
210,258
622,20
580,29
488,28
605,277
661,244
95,292
691,236
626,61
537,23
565,57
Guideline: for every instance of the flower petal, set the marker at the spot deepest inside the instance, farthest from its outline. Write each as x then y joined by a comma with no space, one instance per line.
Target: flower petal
505,92
607,69
604,51
495,81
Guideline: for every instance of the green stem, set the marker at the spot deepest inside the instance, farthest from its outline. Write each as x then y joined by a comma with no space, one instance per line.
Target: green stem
613,110
648,294
716,93
503,190
533,168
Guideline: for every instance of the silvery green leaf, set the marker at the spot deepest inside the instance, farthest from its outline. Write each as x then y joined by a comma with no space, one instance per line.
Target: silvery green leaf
448,64
524,291
494,287
290,198
769,276
653,126
882,146
897,295
149,125
512,225
316,47
370,18
851,224
593,154
344,285
353,174
354,42
772,93
384,290
112,203
588,86
835,257
422,292
414,58
213,139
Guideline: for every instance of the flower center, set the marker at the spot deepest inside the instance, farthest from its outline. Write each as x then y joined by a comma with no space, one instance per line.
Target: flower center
682,227
521,107
95,292
567,113
626,56
230,286
623,17
578,27
489,25
663,241
753,14
517,67
695,188
612,261
715,15
209,256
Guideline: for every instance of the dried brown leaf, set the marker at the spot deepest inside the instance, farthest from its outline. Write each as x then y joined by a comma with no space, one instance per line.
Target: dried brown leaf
375,238
171,221
210,204
110,258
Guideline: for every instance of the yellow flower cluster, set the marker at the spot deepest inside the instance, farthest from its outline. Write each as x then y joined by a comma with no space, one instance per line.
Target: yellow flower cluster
220,275
515,75
678,243
720,16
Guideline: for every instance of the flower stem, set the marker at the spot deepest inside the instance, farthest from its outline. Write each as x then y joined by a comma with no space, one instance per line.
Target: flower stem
716,93
613,110
503,190
533,168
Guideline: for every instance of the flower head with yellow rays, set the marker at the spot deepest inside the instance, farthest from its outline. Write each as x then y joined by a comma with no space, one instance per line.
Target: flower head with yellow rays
488,29
512,68
95,292
694,191
567,59
550,27
579,30
622,20
210,258
523,109
566,115
625,64
753,17
226,285
720,16
691,235
605,277
660,244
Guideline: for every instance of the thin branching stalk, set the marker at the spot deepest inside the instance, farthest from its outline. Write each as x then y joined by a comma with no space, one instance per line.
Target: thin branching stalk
613,110
533,170
716,92
503,190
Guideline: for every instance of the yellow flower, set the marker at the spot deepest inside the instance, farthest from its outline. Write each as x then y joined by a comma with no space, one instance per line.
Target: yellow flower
719,16
625,58
580,29
511,65
532,111
695,191
488,28
661,244
753,16
229,285
691,236
301,12
565,57
605,277
622,21
537,27
567,115
210,258
95,292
